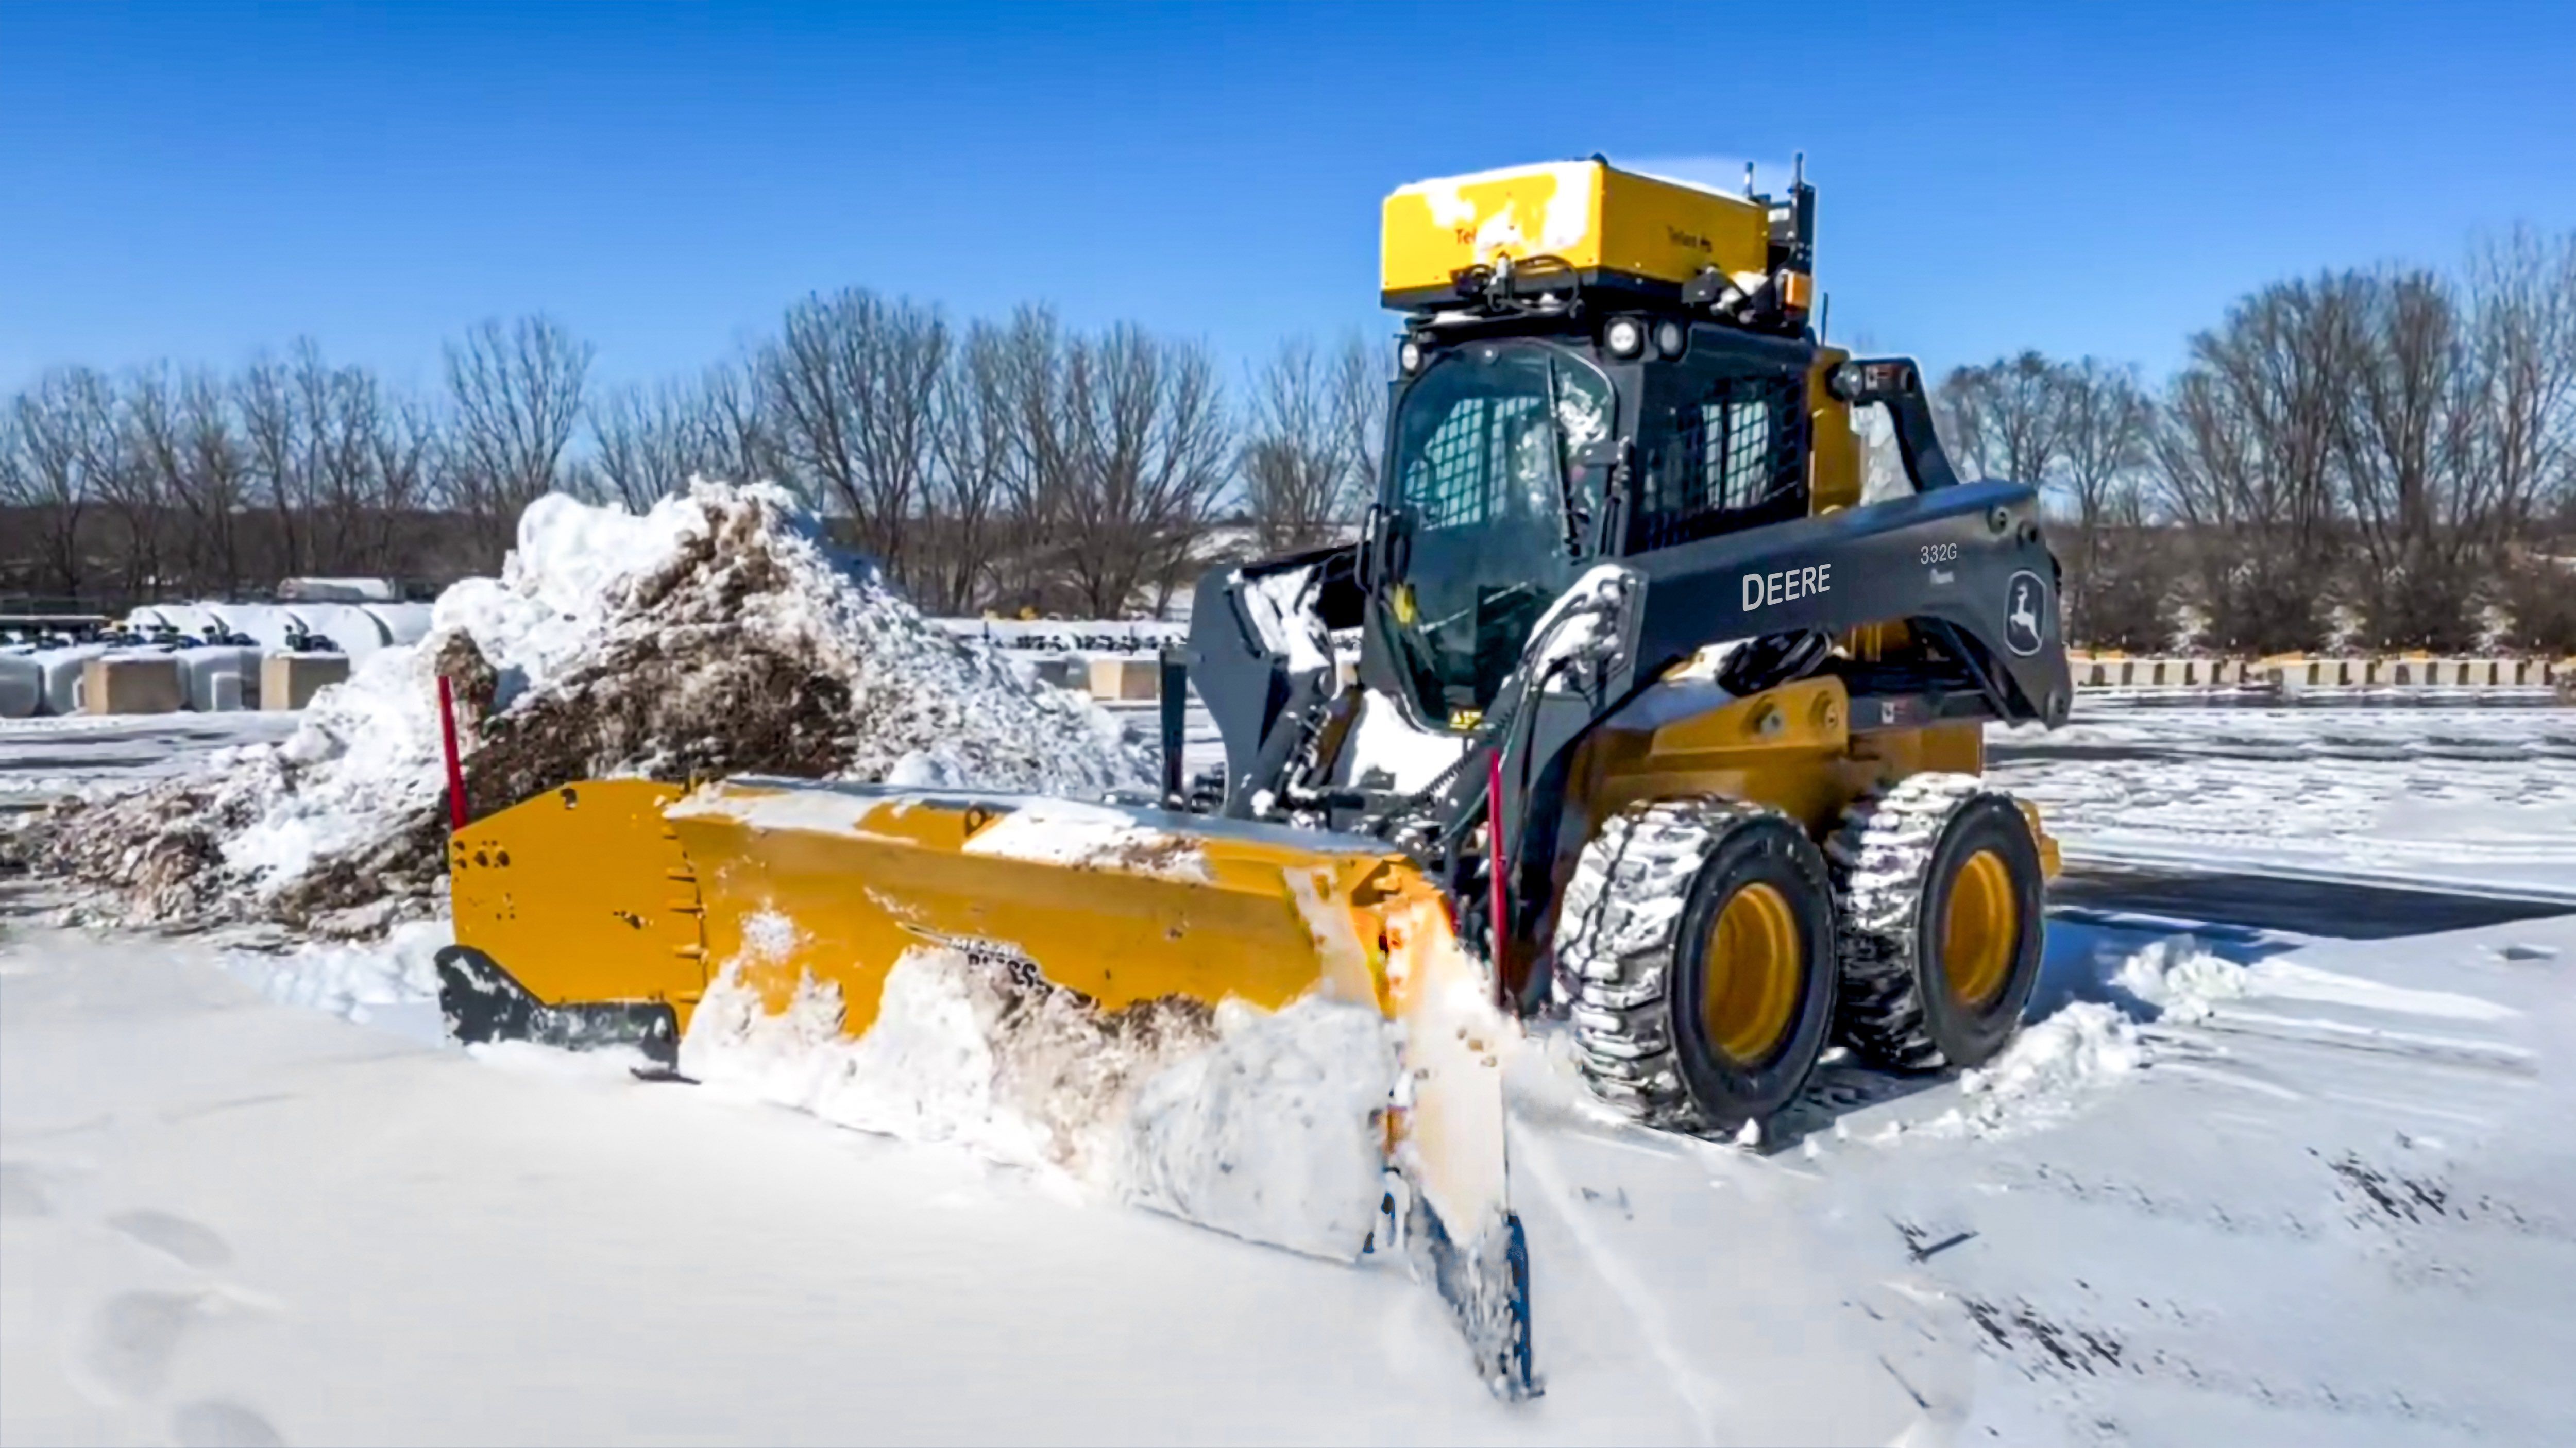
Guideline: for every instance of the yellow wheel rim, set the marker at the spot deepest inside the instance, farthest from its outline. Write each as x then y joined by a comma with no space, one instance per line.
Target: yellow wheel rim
1980,929
1754,961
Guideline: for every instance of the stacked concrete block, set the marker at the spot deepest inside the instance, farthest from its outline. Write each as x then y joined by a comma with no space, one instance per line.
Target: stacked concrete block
289,681
120,683
1127,678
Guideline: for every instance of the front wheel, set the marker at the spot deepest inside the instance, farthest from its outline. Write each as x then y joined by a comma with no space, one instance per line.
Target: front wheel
1700,937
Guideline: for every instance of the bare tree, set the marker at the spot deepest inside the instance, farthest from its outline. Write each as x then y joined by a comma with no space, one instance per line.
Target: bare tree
116,476
2249,457
1299,478
183,430
405,458
646,445
738,437
2420,507
2104,421
344,413
850,381
2004,418
273,429
2522,305
1359,385
516,391
977,452
44,473
1147,442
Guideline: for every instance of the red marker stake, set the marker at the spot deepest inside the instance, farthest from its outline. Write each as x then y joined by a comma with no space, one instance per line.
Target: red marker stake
1495,898
455,769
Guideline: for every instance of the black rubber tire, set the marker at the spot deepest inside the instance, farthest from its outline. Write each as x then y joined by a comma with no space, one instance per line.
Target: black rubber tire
1897,1009
1640,970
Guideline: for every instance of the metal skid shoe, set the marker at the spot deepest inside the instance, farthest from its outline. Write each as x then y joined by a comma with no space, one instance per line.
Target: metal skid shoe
482,1002
1484,1278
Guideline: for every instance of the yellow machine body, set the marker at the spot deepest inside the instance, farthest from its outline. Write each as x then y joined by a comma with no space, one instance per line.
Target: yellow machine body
584,894
1596,219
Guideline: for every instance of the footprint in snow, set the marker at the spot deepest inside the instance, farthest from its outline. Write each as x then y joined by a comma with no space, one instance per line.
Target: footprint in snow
190,1243
132,1338
215,1424
22,1191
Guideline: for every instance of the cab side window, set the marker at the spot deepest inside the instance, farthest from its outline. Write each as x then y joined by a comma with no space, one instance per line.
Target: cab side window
1735,458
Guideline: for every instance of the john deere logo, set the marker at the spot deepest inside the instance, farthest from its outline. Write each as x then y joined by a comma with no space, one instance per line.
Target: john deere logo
2025,613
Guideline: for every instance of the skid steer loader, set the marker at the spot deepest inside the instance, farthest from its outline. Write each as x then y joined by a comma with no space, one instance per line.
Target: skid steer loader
1625,703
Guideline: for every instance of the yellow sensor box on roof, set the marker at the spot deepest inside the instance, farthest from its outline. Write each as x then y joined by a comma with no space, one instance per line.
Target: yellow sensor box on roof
1602,222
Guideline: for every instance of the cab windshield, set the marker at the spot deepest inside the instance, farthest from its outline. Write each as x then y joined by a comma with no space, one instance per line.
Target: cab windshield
1483,443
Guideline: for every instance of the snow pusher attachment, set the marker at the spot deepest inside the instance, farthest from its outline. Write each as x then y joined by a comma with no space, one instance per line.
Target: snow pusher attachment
604,912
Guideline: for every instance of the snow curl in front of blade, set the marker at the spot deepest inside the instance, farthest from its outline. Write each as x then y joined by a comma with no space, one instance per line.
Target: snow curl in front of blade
1261,1124
1273,1132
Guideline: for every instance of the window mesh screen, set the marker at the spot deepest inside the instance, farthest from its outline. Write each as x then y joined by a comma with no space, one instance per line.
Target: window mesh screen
1454,482
1735,459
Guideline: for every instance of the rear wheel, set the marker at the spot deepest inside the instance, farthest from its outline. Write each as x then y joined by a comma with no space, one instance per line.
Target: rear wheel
1699,935
1941,893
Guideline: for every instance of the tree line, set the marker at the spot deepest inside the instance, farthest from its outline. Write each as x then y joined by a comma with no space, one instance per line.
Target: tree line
2370,458
2381,458
985,465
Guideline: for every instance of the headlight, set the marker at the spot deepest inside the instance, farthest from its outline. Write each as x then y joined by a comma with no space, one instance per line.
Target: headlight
1409,357
1669,338
1625,336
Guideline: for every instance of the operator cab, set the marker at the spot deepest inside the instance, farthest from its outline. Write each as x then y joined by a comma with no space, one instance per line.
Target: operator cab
1493,508
1633,376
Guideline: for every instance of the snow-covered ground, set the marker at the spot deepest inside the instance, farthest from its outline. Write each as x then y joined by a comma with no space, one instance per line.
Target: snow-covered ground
2480,799
47,759
2276,1193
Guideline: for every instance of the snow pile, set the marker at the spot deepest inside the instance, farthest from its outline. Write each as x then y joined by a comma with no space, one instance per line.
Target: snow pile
1069,832
2180,981
1257,1123
2091,1044
719,633
2051,1062
1272,1133
347,980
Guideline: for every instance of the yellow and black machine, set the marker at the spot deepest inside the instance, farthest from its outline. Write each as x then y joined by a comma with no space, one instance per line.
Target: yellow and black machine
1625,707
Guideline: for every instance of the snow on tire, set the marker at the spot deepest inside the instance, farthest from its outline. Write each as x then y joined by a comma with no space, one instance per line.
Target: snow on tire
1896,858
1631,943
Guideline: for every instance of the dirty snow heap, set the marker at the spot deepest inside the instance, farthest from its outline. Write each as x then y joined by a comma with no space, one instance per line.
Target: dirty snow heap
719,633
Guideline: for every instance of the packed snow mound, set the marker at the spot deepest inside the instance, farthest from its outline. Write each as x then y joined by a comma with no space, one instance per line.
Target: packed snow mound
1262,1124
721,632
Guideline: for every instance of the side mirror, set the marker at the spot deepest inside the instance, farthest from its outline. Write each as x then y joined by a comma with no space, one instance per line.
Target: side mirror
1373,531
1385,549
1592,482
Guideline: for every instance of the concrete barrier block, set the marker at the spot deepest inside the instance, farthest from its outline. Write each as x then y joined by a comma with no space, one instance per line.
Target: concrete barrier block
149,685
1127,678
289,681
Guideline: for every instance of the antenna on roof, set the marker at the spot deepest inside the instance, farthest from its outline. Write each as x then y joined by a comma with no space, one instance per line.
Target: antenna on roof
1748,178
1797,170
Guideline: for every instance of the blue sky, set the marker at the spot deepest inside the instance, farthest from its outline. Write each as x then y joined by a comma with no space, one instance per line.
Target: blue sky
194,181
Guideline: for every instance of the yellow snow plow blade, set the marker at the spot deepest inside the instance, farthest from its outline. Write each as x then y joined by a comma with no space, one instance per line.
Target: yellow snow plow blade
603,912
629,891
